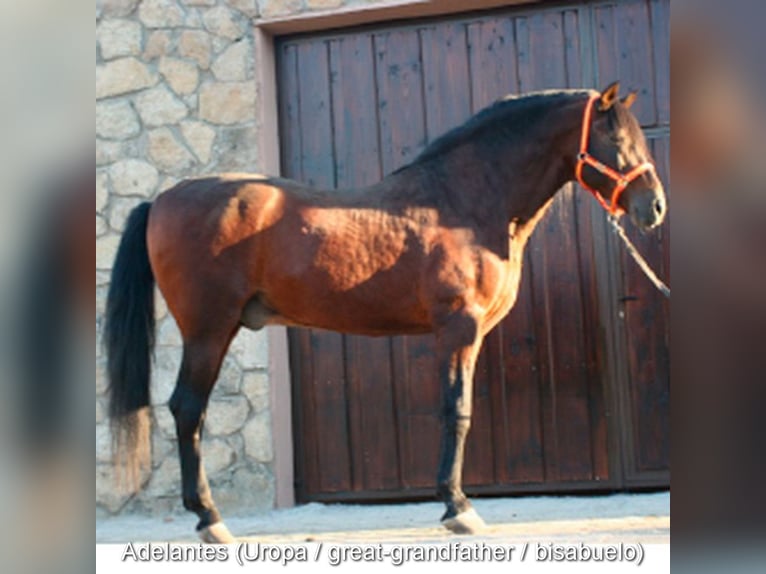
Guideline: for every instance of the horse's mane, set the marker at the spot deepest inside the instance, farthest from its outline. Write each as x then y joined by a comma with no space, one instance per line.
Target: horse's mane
509,113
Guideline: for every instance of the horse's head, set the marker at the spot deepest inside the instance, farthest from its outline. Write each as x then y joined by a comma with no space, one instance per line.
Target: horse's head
614,161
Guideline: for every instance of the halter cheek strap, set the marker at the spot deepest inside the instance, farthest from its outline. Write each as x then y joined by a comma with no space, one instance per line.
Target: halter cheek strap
621,180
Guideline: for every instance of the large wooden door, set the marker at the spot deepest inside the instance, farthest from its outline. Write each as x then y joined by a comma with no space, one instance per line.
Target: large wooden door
572,388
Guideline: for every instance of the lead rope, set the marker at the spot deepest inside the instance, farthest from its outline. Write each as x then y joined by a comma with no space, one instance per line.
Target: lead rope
613,221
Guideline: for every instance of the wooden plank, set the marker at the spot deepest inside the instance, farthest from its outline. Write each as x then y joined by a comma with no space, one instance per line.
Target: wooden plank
636,67
568,392
607,70
355,129
590,361
317,150
593,335
402,134
329,401
558,316
647,329
572,49
492,53
289,116
400,98
660,19
479,458
328,373
522,408
445,69
619,30
307,467
420,385
372,424
418,429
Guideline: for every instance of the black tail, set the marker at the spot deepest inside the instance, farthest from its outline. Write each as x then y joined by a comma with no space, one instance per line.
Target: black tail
129,340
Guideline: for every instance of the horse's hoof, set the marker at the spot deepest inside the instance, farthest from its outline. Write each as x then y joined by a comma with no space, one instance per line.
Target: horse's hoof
468,522
216,534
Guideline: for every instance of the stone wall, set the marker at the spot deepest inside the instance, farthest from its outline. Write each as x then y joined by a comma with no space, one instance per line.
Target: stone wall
176,96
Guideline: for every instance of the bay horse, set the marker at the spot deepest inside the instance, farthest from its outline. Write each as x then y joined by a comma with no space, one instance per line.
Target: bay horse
435,247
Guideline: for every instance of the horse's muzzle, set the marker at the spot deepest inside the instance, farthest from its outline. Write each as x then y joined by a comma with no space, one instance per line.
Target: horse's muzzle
647,208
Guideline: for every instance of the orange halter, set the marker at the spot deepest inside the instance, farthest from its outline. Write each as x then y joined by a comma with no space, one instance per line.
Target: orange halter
621,180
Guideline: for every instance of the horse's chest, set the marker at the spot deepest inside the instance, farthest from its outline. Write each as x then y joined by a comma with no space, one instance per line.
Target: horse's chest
498,284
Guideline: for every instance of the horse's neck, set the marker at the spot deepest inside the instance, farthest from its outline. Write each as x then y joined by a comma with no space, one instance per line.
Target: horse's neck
501,192
522,178
543,168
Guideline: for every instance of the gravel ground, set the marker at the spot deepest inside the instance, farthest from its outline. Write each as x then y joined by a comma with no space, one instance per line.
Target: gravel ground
630,518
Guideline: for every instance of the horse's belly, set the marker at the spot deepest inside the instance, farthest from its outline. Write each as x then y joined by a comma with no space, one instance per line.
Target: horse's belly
383,304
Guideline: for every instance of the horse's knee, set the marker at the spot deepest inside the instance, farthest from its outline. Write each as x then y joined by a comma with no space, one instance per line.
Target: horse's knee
455,422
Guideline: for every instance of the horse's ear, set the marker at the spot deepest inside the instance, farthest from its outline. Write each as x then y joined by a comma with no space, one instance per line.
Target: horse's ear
629,100
609,96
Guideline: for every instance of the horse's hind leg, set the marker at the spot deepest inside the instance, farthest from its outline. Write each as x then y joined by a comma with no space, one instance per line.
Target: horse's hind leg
458,345
202,357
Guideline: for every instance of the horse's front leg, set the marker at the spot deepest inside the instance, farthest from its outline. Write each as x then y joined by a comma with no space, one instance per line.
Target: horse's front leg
458,345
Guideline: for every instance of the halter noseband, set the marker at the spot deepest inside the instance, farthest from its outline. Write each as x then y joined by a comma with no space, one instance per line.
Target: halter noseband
621,180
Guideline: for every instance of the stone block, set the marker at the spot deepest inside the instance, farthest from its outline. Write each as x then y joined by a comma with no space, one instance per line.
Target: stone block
236,149
119,211
181,76
160,14
250,489
223,22
118,38
323,4
167,152
106,249
102,190
276,8
196,45
165,480
122,76
226,415
257,389
251,350
235,64
257,435
101,226
227,103
116,120
117,8
108,152
157,45
133,177
248,7
167,363
217,456
109,494
229,379
159,106
199,137
103,443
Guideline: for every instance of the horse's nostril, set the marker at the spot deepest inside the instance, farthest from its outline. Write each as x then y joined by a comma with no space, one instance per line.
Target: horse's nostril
659,207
